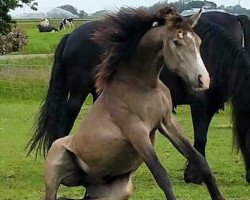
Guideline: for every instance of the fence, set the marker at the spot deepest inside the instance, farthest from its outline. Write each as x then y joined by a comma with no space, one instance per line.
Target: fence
24,79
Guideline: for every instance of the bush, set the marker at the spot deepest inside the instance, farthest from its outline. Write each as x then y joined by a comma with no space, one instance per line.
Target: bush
14,41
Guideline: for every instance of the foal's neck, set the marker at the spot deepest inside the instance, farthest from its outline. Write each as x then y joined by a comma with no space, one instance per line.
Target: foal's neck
144,75
144,67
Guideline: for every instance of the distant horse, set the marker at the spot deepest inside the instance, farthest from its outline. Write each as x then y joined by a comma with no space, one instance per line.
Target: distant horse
46,28
66,22
73,79
118,132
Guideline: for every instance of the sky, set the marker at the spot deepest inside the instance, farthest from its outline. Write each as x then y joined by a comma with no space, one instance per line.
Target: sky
91,6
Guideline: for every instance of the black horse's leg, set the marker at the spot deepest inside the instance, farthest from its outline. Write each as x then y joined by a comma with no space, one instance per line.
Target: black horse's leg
62,198
75,101
202,113
245,150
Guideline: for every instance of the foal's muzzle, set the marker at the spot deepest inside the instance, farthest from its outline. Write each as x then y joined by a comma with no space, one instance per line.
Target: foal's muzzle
203,81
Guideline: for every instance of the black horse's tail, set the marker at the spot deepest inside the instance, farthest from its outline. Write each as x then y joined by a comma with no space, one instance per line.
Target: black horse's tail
53,114
245,23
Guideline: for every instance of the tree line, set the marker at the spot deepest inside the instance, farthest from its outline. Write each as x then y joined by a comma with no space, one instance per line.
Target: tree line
6,23
179,5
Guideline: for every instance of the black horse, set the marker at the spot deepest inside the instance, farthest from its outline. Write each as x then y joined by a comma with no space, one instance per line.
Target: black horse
73,79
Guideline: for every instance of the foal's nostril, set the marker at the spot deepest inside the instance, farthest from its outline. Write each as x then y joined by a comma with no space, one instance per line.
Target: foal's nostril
199,80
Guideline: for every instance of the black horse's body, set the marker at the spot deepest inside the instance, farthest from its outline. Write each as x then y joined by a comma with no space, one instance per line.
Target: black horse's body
73,76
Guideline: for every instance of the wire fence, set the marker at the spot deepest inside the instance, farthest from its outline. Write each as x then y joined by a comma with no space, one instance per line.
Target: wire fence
24,79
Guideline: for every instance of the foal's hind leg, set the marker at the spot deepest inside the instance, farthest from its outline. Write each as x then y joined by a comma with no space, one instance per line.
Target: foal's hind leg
174,132
60,168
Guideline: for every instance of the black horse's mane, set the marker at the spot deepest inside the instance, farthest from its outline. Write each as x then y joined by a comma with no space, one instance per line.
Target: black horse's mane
232,72
231,61
120,33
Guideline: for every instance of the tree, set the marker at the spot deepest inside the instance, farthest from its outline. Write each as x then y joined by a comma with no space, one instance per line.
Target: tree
100,13
82,14
6,23
154,8
196,4
70,8
210,4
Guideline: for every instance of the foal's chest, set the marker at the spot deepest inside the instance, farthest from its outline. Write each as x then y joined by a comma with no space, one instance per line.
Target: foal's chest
154,106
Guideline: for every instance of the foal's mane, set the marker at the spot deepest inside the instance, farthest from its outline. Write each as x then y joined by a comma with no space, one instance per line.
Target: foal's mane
120,33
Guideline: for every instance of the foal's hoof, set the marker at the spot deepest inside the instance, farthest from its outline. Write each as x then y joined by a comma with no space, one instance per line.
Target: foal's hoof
191,175
248,176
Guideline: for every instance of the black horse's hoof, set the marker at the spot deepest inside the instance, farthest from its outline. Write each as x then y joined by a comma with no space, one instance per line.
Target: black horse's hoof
220,198
191,175
248,176
63,198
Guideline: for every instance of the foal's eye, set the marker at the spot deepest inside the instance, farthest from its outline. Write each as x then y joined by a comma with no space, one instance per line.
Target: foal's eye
177,43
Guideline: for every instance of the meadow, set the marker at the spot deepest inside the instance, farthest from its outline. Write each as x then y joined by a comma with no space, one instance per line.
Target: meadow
23,85
43,43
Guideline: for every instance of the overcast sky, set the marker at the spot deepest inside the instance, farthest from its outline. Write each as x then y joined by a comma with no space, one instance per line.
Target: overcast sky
91,6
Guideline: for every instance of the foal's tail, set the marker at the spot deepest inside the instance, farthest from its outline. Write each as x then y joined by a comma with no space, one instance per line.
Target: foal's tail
53,114
245,23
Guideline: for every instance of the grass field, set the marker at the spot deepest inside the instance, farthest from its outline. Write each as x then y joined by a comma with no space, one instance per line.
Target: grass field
23,84
43,42
21,177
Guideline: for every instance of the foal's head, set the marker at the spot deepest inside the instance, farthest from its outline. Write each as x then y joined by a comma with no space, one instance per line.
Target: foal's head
144,38
181,50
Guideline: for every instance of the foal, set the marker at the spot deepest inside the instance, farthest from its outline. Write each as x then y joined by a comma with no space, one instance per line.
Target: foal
118,133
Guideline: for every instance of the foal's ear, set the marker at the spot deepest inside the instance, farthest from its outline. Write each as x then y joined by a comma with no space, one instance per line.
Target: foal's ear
166,12
170,13
193,20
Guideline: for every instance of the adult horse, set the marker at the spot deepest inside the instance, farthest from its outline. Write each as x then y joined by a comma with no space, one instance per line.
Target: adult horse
73,79
133,104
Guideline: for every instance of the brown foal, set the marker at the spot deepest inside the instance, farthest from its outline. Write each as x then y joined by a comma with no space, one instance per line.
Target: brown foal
118,133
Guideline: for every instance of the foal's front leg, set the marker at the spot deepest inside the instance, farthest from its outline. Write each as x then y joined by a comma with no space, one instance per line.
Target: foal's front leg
171,128
202,113
139,137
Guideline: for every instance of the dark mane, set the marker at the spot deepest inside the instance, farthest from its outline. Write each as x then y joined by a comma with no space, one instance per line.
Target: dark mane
120,33
230,60
232,72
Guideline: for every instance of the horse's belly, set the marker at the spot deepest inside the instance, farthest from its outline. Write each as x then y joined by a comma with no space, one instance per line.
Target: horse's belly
108,158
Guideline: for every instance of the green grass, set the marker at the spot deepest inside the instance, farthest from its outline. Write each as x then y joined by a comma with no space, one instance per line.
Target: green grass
22,178
24,79
23,84
41,43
